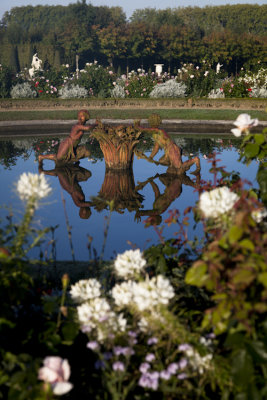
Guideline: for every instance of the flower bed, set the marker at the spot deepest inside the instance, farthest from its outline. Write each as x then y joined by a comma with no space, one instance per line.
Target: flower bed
96,81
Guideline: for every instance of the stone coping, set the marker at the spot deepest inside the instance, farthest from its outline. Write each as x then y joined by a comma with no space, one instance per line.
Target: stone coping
61,127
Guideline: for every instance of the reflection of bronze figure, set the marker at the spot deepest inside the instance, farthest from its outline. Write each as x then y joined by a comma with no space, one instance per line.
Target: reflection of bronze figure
118,187
69,150
173,188
69,177
172,153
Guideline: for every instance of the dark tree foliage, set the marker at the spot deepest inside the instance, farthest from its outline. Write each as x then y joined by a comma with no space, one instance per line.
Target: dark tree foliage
234,35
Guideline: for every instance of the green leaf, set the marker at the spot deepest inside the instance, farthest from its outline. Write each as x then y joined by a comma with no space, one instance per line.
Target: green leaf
69,331
196,275
235,233
242,368
247,244
258,350
262,278
4,321
251,150
244,276
259,138
234,340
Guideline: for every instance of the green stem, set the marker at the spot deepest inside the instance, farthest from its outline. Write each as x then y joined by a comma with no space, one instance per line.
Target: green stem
24,227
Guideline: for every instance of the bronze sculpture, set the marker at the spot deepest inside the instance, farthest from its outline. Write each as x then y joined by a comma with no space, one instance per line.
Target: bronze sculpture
69,150
118,145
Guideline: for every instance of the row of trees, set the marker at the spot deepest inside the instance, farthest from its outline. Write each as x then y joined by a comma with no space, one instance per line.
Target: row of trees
234,35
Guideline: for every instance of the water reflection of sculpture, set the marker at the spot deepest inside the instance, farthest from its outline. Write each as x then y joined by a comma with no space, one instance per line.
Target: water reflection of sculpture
118,145
173,189
69,176
69,150
118,187
174,177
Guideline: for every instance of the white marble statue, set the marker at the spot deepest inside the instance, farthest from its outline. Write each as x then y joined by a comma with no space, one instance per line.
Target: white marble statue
218,68
36,65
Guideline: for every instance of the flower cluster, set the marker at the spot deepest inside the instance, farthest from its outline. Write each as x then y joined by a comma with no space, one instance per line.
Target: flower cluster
96,315
143,295
217,202
94,312
199,79
129,263
257,81
140,86
190,361
233,87
32,186
85,289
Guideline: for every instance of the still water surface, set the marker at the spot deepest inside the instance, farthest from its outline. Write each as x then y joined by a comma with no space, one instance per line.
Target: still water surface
126,227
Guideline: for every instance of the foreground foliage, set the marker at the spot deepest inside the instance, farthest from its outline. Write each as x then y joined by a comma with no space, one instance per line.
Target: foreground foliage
184,319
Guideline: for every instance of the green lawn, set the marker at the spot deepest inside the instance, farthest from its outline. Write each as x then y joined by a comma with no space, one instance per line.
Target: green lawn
194,114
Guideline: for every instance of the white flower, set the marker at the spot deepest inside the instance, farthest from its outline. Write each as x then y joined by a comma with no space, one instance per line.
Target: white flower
123,293
94,311
237,132
164,289
154,317
217,202
57,372
144,295
129,263
259,215
121,323
243,123
97,315
196,361
32,185
147,295
85,289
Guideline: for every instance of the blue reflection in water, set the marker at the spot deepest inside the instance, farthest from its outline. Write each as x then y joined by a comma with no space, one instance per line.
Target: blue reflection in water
125,228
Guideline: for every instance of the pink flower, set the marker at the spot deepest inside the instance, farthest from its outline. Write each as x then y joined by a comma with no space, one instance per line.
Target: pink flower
56,371
118,366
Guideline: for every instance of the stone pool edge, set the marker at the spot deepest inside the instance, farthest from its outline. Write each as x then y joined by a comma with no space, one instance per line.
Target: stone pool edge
61,127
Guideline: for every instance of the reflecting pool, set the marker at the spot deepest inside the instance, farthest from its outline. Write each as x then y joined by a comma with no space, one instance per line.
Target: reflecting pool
146,192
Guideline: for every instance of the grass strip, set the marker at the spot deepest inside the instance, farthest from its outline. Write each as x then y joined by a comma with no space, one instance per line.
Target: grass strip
187,114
